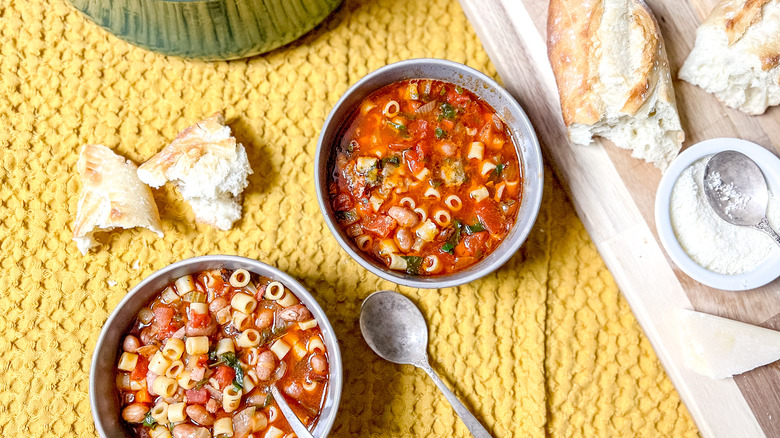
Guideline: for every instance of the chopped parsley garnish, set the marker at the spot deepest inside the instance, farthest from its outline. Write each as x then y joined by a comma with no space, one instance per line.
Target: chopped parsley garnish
476,228
454,238
495,175
231,360
459,89
440,133
201,384
149,421
401,128
413,264
346,216
447,111
394,160
443,91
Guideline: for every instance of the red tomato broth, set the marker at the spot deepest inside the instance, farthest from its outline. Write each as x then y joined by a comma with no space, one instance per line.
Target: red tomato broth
168,318
384,157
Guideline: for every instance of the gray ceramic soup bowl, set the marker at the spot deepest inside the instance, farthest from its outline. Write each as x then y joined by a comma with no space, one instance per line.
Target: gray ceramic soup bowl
486,89
102,386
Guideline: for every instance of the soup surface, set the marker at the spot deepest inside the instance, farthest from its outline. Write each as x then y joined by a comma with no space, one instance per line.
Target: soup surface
426,178
198,360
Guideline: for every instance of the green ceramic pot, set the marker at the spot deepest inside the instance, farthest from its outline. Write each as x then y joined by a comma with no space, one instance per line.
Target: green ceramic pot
208,29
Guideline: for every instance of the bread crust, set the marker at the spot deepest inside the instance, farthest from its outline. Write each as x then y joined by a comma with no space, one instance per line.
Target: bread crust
737,55
205,137
572,28
611,69
208,166
112,196
575,52
735,16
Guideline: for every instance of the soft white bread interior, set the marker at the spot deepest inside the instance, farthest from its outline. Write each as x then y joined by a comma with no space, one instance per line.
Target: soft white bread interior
112,196
613,76
737,55
209,167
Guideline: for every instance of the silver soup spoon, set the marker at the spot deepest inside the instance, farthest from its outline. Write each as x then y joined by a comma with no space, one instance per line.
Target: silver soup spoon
737,191
395,329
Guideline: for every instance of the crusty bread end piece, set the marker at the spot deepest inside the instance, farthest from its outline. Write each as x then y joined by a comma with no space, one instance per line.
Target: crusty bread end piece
737,55
613,76
208,166
112,196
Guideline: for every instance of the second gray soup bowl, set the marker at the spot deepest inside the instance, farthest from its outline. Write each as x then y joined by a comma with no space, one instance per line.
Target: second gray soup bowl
102,383
486,89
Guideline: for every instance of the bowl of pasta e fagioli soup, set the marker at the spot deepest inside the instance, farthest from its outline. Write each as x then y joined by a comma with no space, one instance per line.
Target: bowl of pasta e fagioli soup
193,349
428,173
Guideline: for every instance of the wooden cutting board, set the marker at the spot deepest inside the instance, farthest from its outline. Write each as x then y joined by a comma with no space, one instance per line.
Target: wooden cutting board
614,196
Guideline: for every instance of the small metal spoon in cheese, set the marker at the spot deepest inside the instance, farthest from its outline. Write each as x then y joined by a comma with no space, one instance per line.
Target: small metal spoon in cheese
719,348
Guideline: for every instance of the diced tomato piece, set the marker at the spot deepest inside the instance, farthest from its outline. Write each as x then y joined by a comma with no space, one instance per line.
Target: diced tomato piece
379,224
456,99
463,262
166,332
358,187
419,129
163,315
199,320
486,133
490,215
224,376
197,396
413,161
202,360
140,370
363,209
472,245
343,202
423,149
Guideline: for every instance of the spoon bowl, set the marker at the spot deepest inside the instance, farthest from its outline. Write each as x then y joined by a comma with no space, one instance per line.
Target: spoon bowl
737,191
395,329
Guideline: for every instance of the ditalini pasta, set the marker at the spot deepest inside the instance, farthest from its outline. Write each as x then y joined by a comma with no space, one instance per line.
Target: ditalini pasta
181,368
431,167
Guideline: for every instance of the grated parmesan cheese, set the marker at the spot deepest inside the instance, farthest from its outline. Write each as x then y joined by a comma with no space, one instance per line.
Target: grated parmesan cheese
709,240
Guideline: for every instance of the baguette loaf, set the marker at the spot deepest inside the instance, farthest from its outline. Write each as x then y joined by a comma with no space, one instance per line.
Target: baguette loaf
209,167
737,55
112,196
613,77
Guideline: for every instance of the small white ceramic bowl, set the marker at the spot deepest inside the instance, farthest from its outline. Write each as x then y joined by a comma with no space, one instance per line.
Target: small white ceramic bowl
766,271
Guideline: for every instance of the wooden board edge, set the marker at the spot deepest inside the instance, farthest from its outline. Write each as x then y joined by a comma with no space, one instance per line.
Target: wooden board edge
717,406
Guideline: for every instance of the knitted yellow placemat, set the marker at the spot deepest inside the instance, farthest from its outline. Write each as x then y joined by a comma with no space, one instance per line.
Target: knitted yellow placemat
545,346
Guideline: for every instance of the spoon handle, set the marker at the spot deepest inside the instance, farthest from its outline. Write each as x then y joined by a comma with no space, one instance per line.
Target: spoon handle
297,426
471,422
765,227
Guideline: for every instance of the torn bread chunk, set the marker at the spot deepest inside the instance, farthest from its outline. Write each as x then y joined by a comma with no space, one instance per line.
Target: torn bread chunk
736,56
613,76
112,196
209,167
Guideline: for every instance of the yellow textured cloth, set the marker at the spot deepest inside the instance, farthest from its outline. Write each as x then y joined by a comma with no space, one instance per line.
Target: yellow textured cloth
546,346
